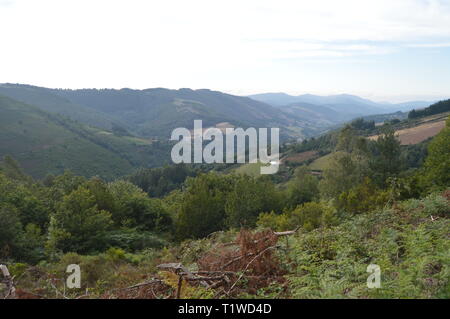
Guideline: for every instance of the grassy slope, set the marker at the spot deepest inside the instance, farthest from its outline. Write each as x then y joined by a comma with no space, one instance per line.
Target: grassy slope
252,169
321,163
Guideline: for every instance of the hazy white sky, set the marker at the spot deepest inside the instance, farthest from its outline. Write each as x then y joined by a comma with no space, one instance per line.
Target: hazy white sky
385,49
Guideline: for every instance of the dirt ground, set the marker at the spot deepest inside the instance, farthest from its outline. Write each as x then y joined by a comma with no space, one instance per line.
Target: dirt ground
417,134
300,157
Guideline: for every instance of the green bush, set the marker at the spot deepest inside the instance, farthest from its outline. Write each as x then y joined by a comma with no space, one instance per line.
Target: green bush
308,216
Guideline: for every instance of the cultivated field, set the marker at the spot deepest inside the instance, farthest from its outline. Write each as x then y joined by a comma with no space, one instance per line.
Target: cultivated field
300,157
417,134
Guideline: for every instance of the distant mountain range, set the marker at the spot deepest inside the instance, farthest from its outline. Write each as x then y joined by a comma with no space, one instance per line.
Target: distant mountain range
156,112
333,109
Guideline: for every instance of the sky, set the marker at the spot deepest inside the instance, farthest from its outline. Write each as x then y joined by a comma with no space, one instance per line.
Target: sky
384,50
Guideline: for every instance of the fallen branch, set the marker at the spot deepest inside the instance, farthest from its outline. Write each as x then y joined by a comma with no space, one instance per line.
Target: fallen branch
180,285
179,269
246,267
278,234
9,282
203,278
213,272
235,259
57,291
151,282
286,233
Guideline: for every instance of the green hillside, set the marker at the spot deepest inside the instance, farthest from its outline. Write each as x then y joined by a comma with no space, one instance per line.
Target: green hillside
156,112
414,134
321,163
436,108
44,144
47,101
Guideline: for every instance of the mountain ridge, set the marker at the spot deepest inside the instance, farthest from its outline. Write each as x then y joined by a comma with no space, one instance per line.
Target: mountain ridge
333,109
281,98
155,112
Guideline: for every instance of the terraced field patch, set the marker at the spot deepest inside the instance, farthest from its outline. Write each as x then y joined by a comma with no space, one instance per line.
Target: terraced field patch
300,157
417,134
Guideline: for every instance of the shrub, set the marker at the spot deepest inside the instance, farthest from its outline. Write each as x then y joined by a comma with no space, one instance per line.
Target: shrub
308,216
362,198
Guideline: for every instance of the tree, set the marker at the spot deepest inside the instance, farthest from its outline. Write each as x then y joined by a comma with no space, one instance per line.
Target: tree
362,125
361,198
203,209
344,171
10,230
103,197
249,197
412,114
78,225
348,165
64,184
133,208
349,142
436,170
302,188
158,182
313,215
385,159
26,199
309,216
439,107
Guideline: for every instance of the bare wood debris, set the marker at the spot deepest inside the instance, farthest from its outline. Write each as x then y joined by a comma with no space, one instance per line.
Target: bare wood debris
247,264
8,281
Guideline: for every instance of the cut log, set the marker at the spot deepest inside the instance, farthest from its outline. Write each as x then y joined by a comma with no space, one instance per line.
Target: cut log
286,233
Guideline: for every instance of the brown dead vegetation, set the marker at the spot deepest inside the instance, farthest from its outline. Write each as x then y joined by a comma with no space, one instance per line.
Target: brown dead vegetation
226,270
245,265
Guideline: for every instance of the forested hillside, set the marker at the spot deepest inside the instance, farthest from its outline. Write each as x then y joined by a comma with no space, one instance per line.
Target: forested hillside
47,101
156,112
414,134
436,108
46,143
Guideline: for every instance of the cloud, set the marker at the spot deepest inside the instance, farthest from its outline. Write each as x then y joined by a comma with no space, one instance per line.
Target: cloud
429,45
204,43
342,28
205,27
299,48
6,3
